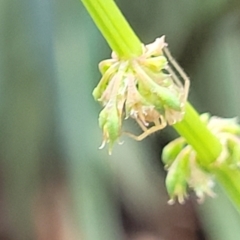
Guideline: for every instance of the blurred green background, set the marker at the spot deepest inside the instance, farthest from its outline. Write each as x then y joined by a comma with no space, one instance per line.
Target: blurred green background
54,182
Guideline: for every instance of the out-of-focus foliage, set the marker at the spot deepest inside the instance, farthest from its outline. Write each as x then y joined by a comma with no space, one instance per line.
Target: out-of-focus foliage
55,183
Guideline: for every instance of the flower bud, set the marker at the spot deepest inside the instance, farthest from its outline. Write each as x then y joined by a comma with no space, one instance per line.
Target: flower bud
155,48
110,122
231,126
156,64
233,144
177,177
205,117
106,78
156,94
171,151
105,65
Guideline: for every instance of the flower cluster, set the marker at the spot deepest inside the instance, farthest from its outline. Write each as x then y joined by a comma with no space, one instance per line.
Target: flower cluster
184,170
146,88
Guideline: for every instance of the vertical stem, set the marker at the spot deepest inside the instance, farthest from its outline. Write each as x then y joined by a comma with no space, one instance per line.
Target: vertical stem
230,181
114,27
199,136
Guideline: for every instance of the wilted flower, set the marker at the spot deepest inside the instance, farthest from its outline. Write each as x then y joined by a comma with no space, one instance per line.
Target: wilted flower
144,88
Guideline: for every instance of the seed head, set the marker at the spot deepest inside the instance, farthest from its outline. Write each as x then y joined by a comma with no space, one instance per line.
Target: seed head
181,160
144,88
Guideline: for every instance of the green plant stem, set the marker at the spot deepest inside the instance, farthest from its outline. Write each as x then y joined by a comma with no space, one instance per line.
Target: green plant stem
126,44
114,27
229,179
198,136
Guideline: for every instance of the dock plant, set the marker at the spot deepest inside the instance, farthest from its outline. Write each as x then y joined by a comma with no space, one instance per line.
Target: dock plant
144,82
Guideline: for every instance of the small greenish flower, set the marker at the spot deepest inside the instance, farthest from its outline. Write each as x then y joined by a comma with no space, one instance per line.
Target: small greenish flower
200,181
143,88
178,175
172,150
110,123
182,163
